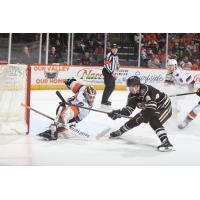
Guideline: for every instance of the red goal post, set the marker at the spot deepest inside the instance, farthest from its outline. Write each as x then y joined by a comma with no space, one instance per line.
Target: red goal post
15,87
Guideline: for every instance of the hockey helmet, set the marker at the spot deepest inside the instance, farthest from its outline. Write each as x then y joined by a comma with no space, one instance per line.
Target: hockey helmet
90,94
172,64
114,46
133,81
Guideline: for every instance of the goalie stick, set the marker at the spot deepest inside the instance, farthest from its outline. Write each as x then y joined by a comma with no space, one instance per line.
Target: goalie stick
95,110
73,129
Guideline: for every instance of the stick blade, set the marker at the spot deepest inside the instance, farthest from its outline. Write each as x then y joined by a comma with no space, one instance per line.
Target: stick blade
102,133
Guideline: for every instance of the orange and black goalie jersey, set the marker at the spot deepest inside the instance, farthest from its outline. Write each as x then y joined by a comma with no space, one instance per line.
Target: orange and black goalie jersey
148,98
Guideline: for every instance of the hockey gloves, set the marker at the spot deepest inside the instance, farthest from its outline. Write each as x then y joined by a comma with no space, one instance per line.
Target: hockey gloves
62,104
114,114
198,92
68,81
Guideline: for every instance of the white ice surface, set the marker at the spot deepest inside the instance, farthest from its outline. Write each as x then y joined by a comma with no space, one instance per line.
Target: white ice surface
137,147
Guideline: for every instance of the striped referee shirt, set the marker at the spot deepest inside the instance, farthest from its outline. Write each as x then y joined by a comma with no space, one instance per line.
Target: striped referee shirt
111,62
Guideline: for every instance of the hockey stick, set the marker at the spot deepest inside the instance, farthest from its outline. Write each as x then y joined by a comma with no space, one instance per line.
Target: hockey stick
73,129
36,111
176,95
100,111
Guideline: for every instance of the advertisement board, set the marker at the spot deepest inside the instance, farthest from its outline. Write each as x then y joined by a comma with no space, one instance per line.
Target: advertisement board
52,76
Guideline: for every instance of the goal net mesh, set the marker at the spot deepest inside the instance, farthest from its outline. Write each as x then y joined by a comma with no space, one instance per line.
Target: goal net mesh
13,92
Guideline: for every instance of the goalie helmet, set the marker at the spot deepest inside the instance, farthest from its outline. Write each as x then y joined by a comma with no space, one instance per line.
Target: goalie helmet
90,94
133,81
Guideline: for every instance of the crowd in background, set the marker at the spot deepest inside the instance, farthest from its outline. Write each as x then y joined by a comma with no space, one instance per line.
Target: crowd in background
153,50
186,49
88,48
183,47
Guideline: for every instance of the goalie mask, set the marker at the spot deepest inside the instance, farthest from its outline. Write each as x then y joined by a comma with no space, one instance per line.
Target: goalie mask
90,94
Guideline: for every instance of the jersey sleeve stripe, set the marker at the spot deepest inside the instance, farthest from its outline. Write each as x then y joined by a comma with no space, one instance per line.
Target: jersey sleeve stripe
75,110
75,86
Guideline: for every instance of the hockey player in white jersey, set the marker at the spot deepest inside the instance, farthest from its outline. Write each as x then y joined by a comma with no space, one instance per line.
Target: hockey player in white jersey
181,80
67,114
192,114
176,75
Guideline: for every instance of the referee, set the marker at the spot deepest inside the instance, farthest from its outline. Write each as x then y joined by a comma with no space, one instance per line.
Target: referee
111,64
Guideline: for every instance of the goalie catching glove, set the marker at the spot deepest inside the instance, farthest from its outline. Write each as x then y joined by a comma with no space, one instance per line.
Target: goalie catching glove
114,114
68,82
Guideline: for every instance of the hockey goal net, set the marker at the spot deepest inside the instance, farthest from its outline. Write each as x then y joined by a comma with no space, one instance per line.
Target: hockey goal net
15,82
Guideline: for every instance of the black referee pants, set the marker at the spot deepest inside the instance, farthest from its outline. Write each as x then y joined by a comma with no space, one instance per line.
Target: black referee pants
109,82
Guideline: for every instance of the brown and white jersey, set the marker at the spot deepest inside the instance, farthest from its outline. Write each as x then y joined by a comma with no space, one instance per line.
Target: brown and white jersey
148,98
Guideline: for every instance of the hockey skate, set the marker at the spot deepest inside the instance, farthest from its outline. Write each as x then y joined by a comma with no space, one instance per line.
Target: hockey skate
51,134
107,103
165,146
115,134
106,106
183,125
46,135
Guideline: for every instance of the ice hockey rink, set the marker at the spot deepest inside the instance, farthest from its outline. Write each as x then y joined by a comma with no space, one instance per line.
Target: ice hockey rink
137,147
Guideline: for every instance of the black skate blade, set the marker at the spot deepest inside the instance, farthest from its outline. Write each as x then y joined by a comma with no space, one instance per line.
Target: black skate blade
44,135
114,138
43,138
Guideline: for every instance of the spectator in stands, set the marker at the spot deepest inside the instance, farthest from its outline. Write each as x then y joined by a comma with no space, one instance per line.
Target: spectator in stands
53,56
25,57
162,58
149,52
187,63
79,48
144,57
86,59
87,43
162,41
182,45
153,62
195,52
108,47
175,48
99,52
58,47
90,47
196,65
185,45
153,45
78,52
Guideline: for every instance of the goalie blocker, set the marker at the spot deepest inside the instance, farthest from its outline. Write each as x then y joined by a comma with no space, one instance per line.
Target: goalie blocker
72,113
156,110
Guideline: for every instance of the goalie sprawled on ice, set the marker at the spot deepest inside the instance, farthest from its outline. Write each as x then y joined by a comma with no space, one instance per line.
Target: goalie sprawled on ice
71,113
